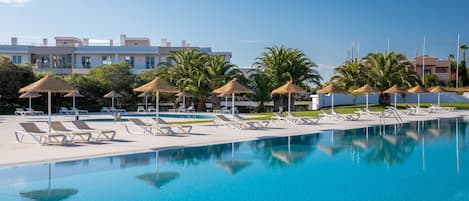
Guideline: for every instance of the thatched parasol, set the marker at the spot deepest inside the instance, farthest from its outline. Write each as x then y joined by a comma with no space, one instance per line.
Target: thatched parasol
233,87
289,88
394,90
49,85
30,95
74,94
366,89
331,89
417,90
437,90
145,95
156,85
112,94
184,95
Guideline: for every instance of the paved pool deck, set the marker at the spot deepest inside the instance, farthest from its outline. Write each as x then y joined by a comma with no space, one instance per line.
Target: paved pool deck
14,153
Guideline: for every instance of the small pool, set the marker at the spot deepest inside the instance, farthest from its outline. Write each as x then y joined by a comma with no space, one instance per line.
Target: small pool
171,115
425,160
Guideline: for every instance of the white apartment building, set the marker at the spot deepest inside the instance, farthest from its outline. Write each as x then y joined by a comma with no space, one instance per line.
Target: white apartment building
75,55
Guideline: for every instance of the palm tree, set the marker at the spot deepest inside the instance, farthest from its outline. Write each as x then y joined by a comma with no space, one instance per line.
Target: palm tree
463,49
219,71
385,70
281,64
349,75
261,85
186,70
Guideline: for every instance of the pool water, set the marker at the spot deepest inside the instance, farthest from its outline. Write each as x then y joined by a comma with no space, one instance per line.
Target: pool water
418,161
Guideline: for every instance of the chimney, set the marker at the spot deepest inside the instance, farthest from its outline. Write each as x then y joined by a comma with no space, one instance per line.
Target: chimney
86,41
416,53
163,42
183,43
123,38
14,41
111,43
44,42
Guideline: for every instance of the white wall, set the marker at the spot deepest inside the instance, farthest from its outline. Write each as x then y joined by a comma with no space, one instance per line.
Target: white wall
345,99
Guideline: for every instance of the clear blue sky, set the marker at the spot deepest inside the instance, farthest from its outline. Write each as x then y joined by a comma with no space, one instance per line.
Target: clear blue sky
324,30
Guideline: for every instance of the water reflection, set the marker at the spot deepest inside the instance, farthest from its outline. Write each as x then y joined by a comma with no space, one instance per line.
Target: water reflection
157,178
232,166
49,194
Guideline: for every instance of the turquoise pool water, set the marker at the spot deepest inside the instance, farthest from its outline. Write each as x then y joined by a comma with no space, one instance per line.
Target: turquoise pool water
127,115
420,161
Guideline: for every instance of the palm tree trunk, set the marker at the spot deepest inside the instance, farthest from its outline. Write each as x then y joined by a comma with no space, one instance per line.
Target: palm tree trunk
384,99
201,104
216,102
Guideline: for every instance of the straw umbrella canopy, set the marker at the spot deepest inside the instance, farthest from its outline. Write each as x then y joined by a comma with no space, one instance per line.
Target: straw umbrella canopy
112,94
145,95
438,90
366,89
74,94
417,90
394,90
289,88
49,85
156,85
233,87
331,89
30,95
184,95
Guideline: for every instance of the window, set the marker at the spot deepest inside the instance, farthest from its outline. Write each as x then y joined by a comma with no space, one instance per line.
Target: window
107,60
441,69
149,62
86,61
428,71
130,60
16,59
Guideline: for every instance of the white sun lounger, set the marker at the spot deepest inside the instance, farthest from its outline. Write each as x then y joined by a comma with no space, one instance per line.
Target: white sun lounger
259,124
39,136
99,134
302,120
222,120
148,128
22,112
180,129
72,135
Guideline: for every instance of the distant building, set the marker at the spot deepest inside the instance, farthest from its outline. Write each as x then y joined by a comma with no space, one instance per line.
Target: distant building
434,66
74,55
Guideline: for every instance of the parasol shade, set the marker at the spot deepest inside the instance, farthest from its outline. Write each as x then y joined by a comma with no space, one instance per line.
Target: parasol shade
233,87
74,93
417,89
30,95
331,88
366,89
437,89
289,87
112,94
394,90
46,84
156,84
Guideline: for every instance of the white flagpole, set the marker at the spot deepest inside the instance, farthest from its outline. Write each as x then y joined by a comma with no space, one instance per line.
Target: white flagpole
423,62
457,64
388,46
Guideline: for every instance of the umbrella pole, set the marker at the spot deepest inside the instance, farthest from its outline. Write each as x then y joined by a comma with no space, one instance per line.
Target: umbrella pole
112,104
289,102
438,99
233,105
184,101
73,102
146,102
332,102
29,103
418,101
157,107
232,151
367,102
226,102
395,100
49,93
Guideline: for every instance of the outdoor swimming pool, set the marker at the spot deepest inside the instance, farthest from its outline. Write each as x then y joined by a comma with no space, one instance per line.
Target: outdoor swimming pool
420,161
